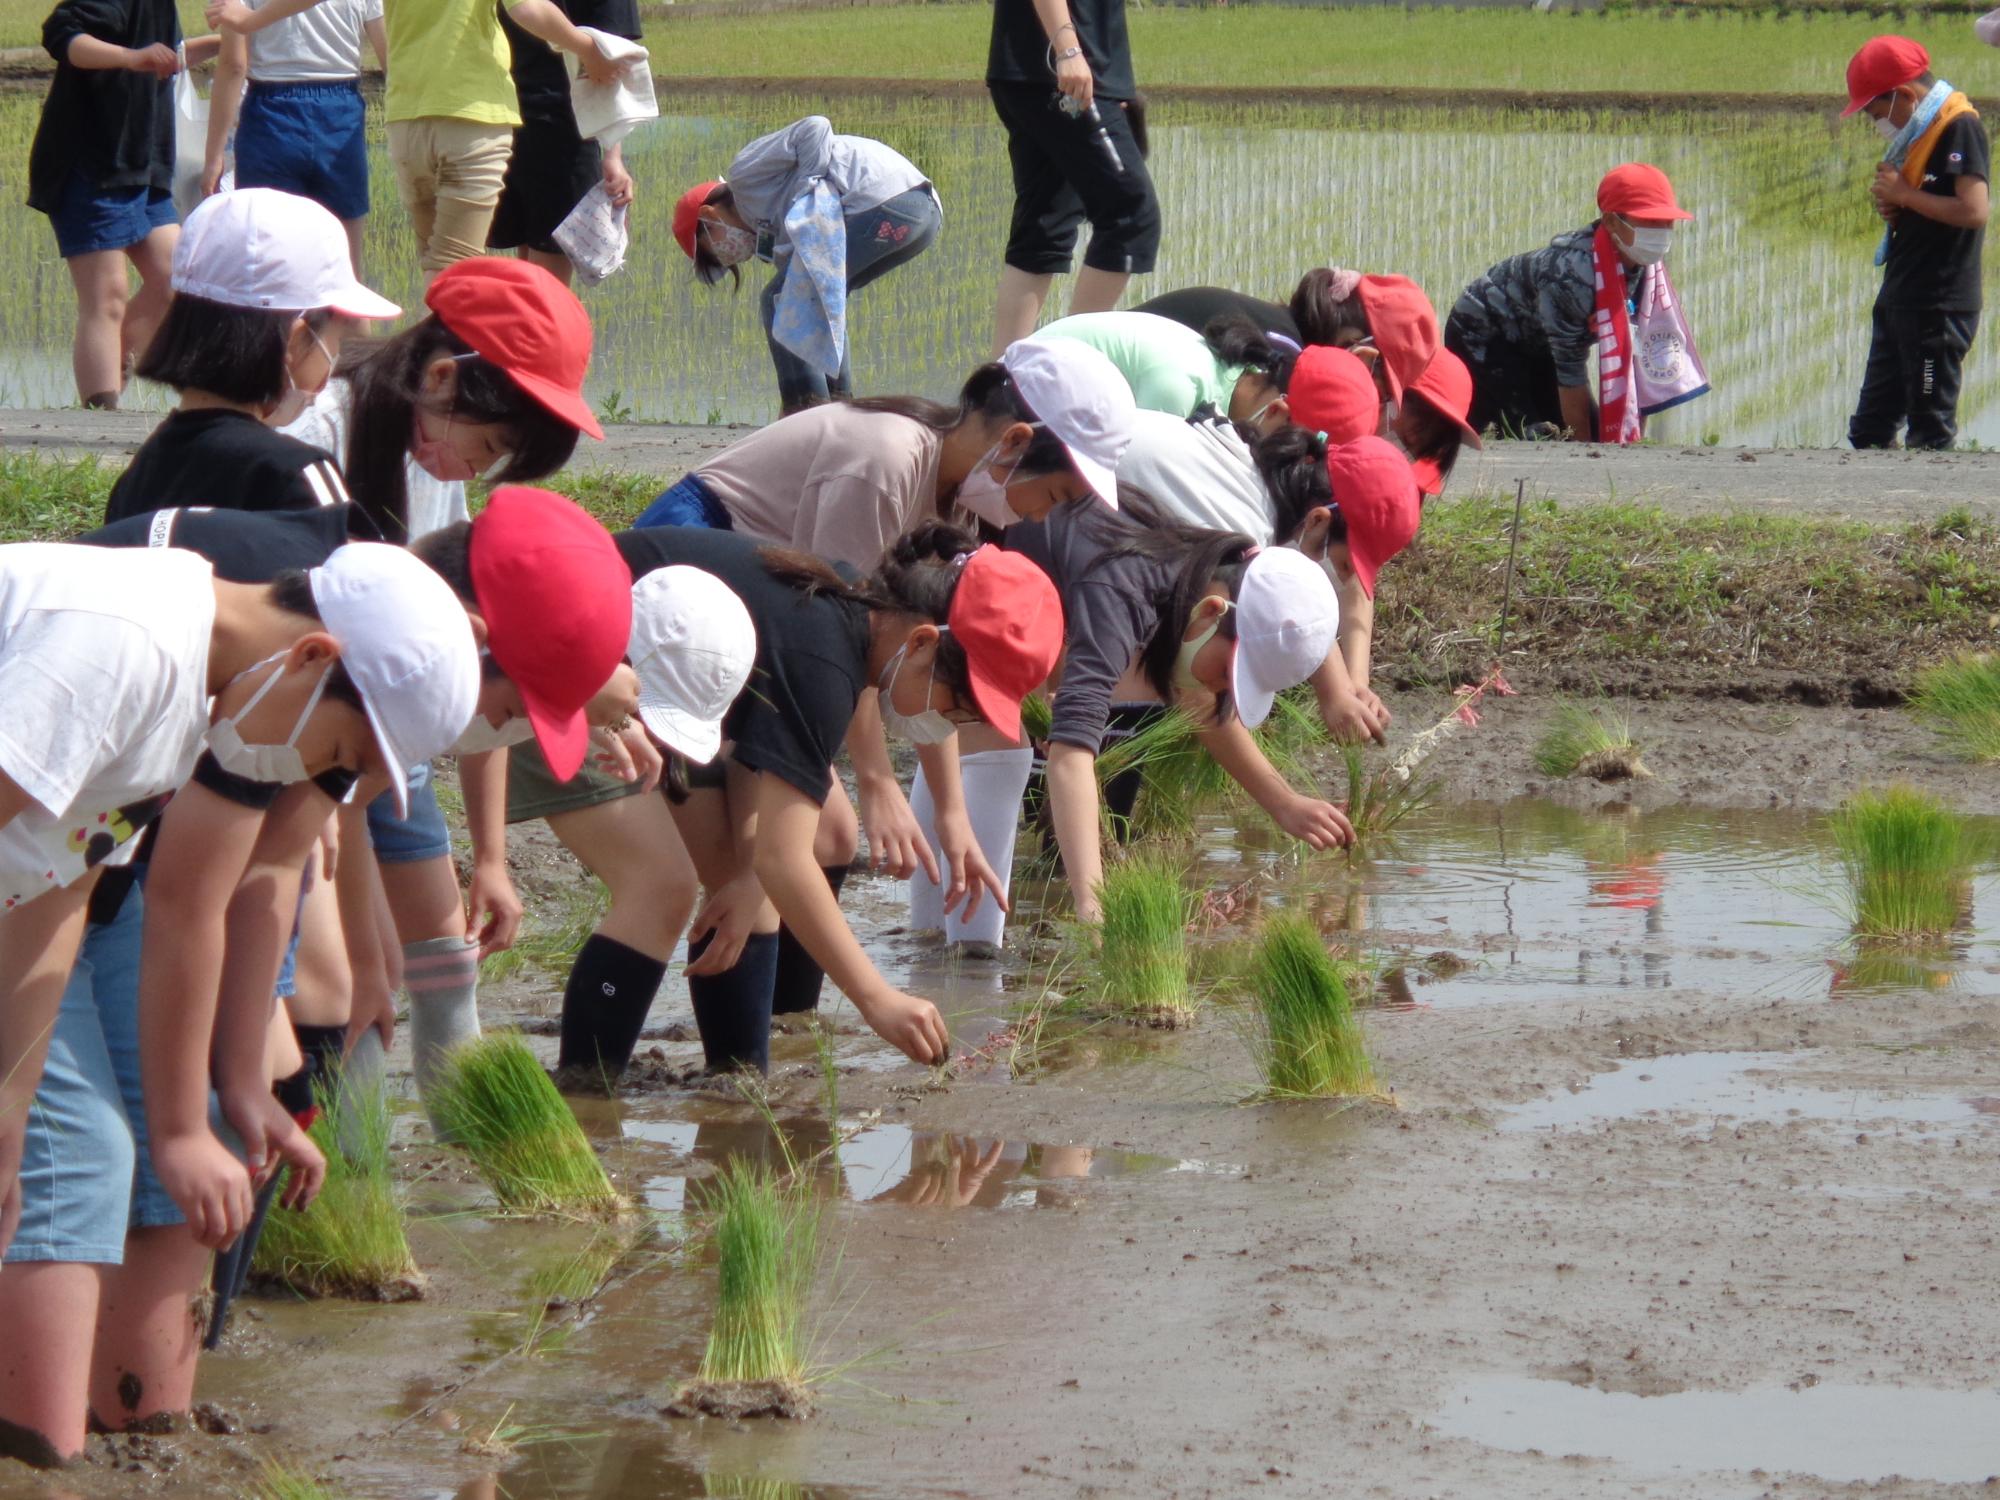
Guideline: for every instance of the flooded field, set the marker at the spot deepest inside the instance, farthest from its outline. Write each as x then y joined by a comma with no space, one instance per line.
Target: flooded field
1667,1201
1776,273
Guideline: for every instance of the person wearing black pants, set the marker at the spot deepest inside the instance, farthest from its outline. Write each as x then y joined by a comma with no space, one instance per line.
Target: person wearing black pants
1915,360
1061,79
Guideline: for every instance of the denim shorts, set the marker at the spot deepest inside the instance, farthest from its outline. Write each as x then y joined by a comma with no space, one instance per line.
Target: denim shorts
687,502
88,218
420,836
308,139
86,1174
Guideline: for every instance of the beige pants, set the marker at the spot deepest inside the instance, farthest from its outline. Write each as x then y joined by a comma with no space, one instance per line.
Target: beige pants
449,174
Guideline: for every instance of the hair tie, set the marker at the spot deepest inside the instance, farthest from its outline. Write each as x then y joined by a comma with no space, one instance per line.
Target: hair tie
1344,283
1285,342
1319,445
961,559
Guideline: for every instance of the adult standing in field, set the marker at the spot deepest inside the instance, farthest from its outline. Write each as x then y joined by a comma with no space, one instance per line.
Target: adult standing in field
452,108
1931,190
298,120
102,169
553,166
1061,79
1525,328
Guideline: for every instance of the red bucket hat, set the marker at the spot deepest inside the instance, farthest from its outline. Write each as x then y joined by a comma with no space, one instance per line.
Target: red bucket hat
1641,190
1883,63
1332,392
556,596
1403,326
1008,617
687,212
518,317
1377,496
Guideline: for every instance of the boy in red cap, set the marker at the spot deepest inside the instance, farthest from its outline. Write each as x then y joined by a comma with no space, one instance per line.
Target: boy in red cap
1931,190
1526,327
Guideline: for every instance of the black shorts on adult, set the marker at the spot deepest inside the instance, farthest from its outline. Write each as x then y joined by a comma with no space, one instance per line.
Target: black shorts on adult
1063,175
550,171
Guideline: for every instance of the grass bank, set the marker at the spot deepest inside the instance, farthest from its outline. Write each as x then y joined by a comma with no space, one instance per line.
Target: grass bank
1608,598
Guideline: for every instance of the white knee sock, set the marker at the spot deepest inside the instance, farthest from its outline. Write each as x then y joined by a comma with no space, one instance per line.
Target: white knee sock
442,976
995,782
363,1080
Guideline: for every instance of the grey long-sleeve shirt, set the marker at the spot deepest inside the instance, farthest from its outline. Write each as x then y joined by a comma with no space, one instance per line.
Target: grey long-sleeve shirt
770,173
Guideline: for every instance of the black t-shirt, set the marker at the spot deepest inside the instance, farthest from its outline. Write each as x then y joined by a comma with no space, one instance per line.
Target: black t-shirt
1197,306
540,78
1933,266
1019,51
112,125
812,653
227,460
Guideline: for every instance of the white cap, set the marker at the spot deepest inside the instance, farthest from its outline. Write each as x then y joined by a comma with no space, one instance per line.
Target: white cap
693,645
408,648
1079,396
258,247
1287,616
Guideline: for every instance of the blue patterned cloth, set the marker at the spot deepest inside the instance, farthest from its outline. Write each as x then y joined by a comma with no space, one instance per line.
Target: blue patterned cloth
811,317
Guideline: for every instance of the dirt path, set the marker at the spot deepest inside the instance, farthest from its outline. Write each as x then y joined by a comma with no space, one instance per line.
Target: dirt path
1816,481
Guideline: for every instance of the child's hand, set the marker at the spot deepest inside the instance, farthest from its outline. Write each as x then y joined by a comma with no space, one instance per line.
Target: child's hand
1351,720
159,59
229,15
909,1023
617,181
1889,190
290,1150
730,913
1311,821
209,1184
495,908
598,68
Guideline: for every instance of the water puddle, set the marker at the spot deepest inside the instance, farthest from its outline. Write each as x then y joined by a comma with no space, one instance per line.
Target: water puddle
1705,1087
1840,1433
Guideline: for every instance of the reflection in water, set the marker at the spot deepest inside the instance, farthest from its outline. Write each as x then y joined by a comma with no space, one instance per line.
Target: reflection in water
636,1463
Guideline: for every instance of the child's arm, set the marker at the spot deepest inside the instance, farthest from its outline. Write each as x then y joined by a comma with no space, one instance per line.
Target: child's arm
234,15
375,964
786,821
200,51
895,842
1349,717
1357,630
13,801
964,862
1072,777
225,100
1967,208
89,52
544,19
1320,824
378,42
493,901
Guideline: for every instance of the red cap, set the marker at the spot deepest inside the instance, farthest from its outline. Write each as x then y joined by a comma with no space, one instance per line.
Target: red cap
519,318
557,600
1332,392
688,210
1447,384
1377,496
1402,324
1883,63
1638,191
1008,617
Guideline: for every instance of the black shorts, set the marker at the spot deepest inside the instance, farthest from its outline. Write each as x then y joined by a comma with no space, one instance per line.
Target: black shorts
551,169
1062,175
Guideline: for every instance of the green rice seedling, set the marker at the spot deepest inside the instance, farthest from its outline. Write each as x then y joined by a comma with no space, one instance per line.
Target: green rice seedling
1594,742
1142,942
1909,859
351,1241
1310,1044
1037,717
1378,800
279,1482
492,1098
1961,700
752,1487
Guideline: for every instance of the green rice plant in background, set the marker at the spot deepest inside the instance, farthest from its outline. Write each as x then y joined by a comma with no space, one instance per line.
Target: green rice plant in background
766,1233
493,1099
350,1242
1909,860
279,1482
1587,741
1961,700
1310,1044
1142,944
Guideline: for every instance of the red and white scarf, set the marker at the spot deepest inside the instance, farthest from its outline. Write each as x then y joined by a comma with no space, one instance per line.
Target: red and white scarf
1667,369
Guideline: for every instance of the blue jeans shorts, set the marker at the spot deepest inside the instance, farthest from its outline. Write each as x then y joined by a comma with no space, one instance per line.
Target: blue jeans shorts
86,1174
687,502
89,218
420,836
308,139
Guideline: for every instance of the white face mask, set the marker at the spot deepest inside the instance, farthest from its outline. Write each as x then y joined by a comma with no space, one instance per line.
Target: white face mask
927,728
730,245
1887,128
480,736
985,496
1649,245
273,765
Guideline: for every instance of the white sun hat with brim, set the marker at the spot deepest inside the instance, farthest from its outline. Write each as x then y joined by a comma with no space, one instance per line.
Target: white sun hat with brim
693,645
1078,394
1287,617
408,648
258,247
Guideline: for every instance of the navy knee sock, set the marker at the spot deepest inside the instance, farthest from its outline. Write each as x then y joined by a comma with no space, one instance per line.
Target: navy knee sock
733,1009
322,1047
797,987
611,988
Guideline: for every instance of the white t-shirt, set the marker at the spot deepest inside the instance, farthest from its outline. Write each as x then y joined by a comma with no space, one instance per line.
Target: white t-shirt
434,503
1200,473
319,45
104,674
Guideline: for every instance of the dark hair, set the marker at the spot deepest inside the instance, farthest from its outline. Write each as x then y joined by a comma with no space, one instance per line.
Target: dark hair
1236,340
1292,463
918,575
708,269
237,353
386,382
1322,318
1435,435
1135,116
292,592
447,552
990,395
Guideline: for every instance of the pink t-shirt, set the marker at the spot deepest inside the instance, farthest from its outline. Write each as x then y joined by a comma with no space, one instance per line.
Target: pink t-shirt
836,482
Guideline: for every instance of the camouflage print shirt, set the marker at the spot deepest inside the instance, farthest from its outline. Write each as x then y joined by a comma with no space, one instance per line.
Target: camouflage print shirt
1541,298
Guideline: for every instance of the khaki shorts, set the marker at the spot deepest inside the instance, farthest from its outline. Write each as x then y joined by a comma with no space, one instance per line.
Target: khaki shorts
533,791
449,173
